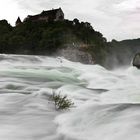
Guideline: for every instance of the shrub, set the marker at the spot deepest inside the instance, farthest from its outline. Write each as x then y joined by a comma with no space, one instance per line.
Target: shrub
61,101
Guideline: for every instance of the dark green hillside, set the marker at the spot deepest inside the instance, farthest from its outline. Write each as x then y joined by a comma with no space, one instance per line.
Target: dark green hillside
46,38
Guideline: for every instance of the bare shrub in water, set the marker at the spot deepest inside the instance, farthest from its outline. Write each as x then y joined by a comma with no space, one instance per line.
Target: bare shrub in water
61,101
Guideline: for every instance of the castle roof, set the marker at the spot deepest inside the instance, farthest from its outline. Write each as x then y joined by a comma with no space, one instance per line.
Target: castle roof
18,21
50,13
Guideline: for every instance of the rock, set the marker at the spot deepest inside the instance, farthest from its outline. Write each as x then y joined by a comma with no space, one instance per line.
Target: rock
136,61
73,53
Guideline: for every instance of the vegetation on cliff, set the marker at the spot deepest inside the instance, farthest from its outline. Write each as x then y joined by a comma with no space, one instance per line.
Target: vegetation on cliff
45,38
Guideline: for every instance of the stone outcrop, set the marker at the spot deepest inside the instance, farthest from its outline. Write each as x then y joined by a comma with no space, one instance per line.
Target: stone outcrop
136,61
75,54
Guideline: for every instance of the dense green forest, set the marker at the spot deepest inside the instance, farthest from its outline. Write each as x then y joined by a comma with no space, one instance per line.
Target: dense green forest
46,38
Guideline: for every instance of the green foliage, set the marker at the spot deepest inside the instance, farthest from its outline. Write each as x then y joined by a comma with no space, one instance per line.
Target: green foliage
5,28
61,102
46,38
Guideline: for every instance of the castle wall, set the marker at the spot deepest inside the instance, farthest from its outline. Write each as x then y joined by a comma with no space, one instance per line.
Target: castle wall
43,18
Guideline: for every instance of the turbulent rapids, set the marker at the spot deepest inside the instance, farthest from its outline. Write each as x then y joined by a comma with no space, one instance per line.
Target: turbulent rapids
106,103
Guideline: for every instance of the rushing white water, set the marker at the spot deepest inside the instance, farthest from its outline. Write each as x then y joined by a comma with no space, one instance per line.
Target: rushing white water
106,103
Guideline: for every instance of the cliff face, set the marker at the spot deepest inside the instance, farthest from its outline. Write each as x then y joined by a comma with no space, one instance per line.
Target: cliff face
136,61
73,53
121,53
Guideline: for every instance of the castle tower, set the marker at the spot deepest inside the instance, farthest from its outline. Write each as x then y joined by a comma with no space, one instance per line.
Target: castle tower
18,21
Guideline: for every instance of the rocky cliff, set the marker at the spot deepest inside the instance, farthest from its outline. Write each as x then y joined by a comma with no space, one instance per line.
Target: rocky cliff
121,53
73,53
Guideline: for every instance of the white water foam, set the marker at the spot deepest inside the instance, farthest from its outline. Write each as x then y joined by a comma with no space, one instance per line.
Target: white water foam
106,103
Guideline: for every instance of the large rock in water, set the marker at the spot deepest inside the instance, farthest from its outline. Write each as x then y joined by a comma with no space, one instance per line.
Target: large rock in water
136,61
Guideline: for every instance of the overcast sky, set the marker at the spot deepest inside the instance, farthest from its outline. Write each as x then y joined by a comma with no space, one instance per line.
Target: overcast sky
115,19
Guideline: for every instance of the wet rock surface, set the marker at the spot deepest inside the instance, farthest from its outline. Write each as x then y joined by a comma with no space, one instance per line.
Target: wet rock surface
76,54
136,61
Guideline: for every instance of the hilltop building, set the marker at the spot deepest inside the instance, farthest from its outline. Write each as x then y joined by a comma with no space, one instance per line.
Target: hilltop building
47,16
51,15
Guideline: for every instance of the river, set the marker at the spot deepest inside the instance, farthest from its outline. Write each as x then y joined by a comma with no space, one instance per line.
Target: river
106,103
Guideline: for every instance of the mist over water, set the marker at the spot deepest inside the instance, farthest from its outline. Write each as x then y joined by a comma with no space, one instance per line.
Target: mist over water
106,103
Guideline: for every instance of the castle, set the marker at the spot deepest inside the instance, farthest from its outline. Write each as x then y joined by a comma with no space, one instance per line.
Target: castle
47,16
